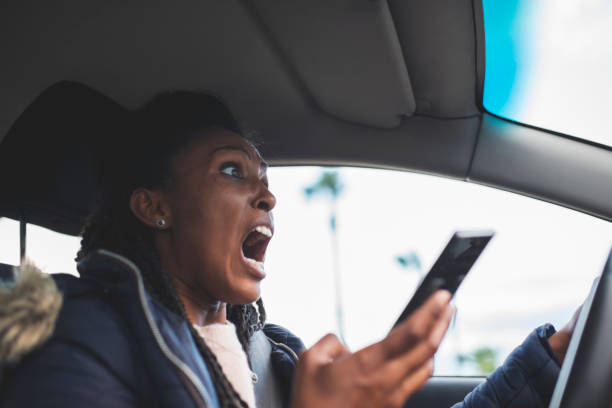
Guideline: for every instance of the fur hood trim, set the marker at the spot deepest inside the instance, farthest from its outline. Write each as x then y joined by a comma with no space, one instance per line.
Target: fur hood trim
28,311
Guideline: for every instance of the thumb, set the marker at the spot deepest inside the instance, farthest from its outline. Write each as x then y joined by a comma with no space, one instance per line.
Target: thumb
325,350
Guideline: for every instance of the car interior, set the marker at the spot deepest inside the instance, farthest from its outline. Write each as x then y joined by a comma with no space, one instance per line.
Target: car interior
367,83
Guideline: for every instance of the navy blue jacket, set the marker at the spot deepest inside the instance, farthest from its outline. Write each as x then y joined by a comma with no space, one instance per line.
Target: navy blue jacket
115,346
526,379
285,349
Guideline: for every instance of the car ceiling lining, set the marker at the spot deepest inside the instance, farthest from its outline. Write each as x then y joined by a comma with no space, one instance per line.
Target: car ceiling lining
134,50
347,54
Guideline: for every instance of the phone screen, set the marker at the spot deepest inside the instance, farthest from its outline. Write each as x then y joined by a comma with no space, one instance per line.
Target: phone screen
450,268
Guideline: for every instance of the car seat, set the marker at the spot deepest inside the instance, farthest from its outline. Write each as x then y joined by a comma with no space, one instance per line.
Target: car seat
48,157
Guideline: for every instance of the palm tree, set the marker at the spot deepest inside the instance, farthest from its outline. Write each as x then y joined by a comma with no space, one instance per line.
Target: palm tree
330,186
410,260
484,358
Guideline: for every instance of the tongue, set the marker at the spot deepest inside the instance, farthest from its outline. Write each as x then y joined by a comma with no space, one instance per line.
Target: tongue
252,238
251,248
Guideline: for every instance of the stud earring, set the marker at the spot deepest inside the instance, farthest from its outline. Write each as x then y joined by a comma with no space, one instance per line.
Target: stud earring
161,222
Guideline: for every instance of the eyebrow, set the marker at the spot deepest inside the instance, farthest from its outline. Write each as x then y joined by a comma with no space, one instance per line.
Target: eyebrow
263,164
232,147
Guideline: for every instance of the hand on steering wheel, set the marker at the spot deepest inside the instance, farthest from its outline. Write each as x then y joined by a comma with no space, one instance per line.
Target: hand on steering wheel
560,340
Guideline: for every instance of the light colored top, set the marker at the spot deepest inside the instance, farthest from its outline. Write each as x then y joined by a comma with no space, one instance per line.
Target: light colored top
223,342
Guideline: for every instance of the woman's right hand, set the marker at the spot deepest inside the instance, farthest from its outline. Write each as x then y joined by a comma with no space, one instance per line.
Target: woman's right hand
384,374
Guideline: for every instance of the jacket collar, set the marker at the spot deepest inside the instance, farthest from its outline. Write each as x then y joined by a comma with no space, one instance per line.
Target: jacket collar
117,274
107,267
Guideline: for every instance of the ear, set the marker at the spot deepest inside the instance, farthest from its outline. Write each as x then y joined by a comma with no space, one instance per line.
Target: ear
151,207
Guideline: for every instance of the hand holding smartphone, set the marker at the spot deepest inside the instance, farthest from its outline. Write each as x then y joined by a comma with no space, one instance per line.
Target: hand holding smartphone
450,268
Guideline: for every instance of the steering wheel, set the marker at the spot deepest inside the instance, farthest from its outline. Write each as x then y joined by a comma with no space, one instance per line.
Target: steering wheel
585,379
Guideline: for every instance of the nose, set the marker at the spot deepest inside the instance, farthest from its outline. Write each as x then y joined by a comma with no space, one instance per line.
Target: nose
265,200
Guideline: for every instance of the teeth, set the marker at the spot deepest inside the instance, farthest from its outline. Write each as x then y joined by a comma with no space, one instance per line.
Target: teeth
263,230
258,265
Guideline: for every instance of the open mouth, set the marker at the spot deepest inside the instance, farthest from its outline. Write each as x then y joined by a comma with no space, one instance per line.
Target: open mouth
254,246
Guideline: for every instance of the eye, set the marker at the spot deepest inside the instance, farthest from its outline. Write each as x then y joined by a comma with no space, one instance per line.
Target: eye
232,169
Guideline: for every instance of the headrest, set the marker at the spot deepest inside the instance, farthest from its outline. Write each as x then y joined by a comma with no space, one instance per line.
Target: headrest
47,158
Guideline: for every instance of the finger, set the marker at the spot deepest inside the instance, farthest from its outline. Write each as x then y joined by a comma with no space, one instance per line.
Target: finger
325,350
417,326
398,369
405,336
439,330
412,384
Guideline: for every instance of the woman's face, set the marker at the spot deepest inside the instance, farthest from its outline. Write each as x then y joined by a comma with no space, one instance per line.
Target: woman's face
220,217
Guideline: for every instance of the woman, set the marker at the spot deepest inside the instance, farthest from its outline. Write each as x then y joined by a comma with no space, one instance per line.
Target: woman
174,254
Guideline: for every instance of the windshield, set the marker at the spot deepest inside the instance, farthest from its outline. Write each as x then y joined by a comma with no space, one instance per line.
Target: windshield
548,64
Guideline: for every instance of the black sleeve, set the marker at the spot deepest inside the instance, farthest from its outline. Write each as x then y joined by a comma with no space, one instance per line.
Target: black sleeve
64,374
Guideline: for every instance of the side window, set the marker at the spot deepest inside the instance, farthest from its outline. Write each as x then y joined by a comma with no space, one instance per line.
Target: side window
352,244
9,241
52,252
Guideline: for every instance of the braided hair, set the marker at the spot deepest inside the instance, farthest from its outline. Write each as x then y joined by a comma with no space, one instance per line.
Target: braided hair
171,121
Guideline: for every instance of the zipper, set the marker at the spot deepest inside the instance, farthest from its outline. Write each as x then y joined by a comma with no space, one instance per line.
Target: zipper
286,348
195,384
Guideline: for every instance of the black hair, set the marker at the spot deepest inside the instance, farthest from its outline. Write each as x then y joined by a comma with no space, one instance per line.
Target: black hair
150,138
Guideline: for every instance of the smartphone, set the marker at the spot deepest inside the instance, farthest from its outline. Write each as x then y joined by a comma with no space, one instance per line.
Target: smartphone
450,268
